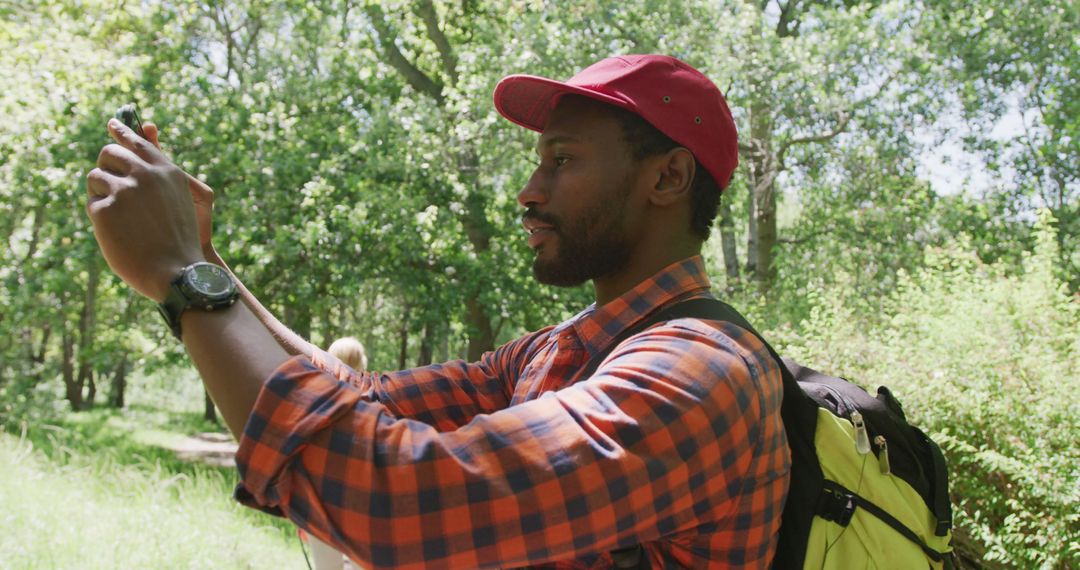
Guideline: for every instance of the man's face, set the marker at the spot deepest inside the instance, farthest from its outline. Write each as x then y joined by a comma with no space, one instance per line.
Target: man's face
577,198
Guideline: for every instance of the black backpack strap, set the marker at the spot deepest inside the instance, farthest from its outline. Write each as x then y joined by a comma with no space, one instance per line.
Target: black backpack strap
800,417
940,480
838,505
630,558
703,308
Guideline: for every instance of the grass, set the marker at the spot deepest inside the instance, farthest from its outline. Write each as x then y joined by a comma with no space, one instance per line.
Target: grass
98,489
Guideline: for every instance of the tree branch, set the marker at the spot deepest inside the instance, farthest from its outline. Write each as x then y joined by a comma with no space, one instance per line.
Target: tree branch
806,237
343,33
845,118
412,74
221,19
253,34
626,34
788,26
426,10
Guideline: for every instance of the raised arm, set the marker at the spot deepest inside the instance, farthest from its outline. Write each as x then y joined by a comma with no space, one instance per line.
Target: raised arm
151,219
203,200
145,221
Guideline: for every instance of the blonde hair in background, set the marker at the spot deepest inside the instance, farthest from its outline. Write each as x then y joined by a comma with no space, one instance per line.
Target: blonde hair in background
351,352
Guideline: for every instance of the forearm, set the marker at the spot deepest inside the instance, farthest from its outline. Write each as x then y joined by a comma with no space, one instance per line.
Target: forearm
234,353
151,220
289,341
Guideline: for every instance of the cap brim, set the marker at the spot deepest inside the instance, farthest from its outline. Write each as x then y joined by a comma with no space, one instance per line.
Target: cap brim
528,100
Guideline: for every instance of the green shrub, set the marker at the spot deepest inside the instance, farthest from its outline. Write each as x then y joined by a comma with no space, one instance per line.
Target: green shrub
985,358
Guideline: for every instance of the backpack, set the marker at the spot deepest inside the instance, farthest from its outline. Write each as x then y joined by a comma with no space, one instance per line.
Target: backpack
868,490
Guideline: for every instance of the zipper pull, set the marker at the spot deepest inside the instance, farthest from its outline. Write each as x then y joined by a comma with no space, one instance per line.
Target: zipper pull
862,438
883,454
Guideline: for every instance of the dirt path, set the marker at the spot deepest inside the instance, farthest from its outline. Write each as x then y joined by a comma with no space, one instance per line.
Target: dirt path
217,449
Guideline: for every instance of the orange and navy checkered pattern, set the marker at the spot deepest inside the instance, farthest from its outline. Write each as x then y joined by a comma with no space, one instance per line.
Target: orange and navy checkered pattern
675,442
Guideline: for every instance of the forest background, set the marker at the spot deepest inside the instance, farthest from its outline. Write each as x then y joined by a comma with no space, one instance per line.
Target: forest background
905,213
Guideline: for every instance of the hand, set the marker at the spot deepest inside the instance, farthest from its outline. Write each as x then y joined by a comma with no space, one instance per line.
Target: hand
143,214
201,194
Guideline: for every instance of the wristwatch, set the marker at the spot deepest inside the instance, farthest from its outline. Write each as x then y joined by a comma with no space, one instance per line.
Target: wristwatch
201,285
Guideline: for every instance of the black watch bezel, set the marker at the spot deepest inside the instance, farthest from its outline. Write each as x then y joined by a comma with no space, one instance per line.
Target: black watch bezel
185,292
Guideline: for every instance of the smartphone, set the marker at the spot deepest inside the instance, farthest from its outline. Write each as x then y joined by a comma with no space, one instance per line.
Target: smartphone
129,115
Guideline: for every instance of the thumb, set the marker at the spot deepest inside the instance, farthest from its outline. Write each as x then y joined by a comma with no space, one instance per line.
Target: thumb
151,132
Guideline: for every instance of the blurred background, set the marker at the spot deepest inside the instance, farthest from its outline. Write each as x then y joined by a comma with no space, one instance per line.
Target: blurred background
906,212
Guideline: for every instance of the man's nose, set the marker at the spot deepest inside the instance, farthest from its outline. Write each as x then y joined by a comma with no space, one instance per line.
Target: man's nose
534,191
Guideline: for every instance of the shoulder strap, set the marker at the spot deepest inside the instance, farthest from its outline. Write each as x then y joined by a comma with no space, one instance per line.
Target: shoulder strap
704,308
940,480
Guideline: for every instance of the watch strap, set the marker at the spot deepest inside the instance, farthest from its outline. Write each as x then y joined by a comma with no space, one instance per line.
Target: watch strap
174,304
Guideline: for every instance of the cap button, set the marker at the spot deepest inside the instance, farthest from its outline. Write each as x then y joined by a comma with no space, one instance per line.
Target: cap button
697,120
667,98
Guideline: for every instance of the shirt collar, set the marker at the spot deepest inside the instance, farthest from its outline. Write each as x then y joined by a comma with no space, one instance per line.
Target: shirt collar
597,326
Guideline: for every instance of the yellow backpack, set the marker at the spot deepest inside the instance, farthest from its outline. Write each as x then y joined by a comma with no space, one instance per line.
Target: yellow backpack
868,490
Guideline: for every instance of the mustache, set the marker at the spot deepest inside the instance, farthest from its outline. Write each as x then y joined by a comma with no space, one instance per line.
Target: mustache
533,214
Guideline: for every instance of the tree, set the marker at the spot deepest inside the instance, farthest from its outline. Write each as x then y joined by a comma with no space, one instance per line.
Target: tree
53,95
1019,59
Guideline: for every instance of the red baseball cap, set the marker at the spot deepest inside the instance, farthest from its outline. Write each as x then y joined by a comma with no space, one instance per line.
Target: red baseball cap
672,96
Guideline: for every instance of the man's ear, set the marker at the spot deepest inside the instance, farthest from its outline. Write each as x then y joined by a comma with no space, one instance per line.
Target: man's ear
675,174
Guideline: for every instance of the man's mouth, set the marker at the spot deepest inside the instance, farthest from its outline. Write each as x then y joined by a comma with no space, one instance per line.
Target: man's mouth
538,230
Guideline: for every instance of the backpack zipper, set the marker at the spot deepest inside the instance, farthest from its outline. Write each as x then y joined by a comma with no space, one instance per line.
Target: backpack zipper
883,454
862,438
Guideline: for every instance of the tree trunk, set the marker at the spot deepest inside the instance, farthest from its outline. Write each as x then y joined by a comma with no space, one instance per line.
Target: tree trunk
38,356
482,335
727,243
444,347
478,229
403,338
86,378
72,390
87,322
751,232
477,226
298,318
209,411
427,345
766,226
329,329
762,219
119,383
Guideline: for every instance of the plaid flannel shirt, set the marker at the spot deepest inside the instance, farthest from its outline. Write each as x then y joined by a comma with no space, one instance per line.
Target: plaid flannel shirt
675,442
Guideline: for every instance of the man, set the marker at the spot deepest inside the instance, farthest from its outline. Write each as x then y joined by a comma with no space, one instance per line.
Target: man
674,443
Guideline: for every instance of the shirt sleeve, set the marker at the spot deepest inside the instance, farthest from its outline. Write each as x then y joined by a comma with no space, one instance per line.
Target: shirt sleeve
663,432
445,396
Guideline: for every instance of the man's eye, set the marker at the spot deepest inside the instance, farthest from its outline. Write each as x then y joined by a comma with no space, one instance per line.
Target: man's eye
561,160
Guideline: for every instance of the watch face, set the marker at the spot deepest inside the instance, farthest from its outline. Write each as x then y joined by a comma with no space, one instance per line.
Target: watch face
209,280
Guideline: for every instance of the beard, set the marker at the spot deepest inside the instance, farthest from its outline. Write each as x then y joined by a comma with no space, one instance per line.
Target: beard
590,246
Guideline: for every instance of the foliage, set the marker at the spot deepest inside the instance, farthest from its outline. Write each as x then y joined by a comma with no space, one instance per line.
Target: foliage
365,185
1019,60
985,359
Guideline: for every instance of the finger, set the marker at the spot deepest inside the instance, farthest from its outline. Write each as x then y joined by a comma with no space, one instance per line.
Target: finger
117,160
97,184
100,183
151,133
130,140
96,204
